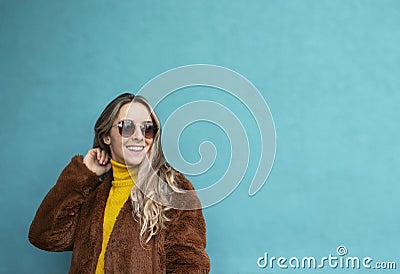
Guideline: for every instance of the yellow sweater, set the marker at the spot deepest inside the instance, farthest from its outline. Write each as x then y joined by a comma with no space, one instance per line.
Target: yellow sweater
119,194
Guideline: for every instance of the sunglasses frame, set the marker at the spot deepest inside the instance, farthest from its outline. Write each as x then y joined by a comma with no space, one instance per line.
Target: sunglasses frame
151,128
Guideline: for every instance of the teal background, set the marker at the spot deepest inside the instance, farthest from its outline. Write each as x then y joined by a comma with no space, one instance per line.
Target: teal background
329,71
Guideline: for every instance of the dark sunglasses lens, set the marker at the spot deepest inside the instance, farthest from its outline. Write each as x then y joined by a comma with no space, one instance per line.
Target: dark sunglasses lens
149,131
127,128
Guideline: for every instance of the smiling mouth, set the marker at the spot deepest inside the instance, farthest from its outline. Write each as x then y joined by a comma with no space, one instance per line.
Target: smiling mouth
135,148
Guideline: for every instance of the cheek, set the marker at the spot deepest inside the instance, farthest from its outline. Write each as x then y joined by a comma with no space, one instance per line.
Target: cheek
116,138
118,142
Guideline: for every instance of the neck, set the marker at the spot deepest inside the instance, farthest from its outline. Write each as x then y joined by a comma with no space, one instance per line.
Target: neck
122,173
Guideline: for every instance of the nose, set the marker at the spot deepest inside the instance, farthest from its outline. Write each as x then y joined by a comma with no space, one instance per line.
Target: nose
137,134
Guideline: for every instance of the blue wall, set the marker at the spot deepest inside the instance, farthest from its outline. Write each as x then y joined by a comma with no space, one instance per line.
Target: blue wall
329,71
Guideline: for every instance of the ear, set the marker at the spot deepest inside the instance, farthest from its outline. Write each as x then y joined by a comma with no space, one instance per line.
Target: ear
107,139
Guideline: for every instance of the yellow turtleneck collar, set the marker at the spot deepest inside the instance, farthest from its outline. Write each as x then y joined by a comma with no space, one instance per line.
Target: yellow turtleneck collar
123,176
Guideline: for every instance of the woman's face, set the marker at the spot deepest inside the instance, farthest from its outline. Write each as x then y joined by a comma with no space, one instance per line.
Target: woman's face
130,150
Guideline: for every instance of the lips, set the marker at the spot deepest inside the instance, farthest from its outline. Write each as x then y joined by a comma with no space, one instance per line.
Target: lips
135,148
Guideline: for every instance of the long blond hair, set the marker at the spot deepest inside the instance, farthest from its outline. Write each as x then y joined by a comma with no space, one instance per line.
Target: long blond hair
156,178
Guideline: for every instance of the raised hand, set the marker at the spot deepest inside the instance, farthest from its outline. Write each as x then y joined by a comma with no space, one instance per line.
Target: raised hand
97,161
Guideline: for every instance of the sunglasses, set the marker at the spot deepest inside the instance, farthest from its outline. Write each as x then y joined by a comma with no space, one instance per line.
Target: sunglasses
127,127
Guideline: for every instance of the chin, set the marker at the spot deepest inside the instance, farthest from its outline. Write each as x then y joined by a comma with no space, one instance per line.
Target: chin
133,162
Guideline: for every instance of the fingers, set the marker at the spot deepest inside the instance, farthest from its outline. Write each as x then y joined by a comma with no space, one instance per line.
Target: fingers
100,155
94,153
103,157
97,153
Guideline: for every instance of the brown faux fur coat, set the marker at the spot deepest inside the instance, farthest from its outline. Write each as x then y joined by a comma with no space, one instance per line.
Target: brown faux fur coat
71,218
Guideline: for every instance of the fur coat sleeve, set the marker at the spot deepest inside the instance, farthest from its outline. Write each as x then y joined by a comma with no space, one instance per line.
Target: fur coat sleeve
54,225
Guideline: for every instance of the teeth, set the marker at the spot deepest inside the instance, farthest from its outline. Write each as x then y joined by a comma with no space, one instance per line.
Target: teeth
135,148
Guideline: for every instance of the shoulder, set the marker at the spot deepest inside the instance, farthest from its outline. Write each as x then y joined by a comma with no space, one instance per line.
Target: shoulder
182,195
182,182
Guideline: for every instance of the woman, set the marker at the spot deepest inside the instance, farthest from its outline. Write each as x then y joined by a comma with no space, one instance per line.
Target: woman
114,213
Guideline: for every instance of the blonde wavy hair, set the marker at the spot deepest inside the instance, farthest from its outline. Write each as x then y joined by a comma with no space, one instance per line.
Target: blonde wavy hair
156,178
